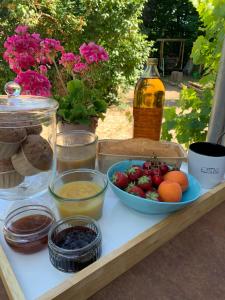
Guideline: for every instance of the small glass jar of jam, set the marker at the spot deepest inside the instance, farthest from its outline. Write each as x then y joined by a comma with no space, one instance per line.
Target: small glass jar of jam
26,228
74,243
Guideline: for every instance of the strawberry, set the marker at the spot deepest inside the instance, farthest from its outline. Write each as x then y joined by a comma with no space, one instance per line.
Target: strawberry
164,168
136,190
156,172
134,173
152,196
145,183
120,179
130,185
157,179
147,172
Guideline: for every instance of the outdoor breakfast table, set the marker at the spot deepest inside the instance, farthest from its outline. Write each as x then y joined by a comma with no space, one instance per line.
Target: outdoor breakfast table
189,264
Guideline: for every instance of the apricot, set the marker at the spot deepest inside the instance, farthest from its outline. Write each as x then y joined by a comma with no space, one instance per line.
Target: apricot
170,191
179,177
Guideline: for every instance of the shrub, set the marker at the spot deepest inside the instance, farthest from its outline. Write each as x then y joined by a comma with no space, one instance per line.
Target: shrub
114,24
190,121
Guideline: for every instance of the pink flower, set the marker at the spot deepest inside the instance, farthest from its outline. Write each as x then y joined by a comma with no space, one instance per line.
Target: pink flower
102,54
26,51
49,49
25,60
22,49
93,53
43,70
36,36
80,67
33,83
69,59
21,29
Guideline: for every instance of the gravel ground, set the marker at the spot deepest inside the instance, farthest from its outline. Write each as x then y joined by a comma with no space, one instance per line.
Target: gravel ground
118,123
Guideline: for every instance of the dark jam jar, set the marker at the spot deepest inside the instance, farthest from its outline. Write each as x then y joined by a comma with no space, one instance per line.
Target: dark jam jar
26,228
74,243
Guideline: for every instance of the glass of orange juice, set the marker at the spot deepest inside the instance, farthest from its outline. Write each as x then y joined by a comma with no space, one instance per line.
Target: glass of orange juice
79,192
76,149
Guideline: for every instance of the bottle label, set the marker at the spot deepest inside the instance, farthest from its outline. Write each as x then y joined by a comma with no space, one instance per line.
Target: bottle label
147,122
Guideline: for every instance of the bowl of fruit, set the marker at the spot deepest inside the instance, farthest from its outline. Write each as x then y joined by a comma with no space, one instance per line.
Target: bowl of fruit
152,187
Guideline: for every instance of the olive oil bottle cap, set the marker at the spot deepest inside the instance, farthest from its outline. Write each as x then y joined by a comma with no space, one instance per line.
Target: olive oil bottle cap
152,61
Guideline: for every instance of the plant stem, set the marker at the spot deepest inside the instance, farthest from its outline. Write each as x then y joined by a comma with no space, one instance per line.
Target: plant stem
60,76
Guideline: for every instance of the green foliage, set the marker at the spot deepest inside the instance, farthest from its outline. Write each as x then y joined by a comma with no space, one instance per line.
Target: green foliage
114,24
190,121
171,19
81,103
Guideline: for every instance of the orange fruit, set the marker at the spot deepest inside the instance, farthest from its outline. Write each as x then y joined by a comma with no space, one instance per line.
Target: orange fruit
170,191
179,177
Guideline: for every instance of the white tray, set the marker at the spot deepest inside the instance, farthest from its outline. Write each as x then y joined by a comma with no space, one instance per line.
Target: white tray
128,236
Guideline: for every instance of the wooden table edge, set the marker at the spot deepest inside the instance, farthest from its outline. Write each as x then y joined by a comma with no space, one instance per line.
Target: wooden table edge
9,280
96,276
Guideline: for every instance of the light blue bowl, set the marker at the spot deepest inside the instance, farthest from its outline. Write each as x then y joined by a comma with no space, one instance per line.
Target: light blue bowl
148,206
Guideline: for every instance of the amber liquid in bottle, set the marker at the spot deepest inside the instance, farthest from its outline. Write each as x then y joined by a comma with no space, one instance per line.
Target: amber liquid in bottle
149,97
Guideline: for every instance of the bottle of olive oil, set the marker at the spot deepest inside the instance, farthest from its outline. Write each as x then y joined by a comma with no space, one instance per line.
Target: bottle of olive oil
149,97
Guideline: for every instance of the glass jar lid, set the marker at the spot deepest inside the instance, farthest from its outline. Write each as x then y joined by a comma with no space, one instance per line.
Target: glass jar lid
14,102
16,110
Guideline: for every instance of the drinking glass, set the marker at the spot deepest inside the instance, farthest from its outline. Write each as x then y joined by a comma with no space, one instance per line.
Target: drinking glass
76,149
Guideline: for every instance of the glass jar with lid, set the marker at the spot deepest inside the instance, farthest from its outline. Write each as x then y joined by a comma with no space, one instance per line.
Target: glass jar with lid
27,143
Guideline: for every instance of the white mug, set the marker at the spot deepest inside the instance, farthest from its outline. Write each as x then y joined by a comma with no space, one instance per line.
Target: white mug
206,162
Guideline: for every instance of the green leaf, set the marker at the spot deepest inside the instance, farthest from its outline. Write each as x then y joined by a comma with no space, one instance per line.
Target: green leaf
75,87
101,106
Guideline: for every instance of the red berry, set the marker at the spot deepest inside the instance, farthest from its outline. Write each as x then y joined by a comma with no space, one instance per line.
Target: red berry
120,180
134,173
137,191
147,172
164,169
157,179
145,183
156,171
147,165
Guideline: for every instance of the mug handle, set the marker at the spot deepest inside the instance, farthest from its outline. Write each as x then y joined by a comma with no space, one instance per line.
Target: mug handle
220,138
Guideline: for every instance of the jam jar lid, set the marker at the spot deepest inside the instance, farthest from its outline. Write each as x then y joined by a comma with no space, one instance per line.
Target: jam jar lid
29,222
26,228
23,107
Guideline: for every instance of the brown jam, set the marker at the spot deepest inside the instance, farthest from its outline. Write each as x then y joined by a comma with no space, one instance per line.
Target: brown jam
28,234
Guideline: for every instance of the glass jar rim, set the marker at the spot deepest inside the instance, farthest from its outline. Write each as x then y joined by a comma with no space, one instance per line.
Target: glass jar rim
79,132
26,208
59,198
58,249
27,104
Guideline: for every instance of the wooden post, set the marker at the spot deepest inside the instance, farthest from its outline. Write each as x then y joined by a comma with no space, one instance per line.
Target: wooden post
182,55
217,118
163,61
161,57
